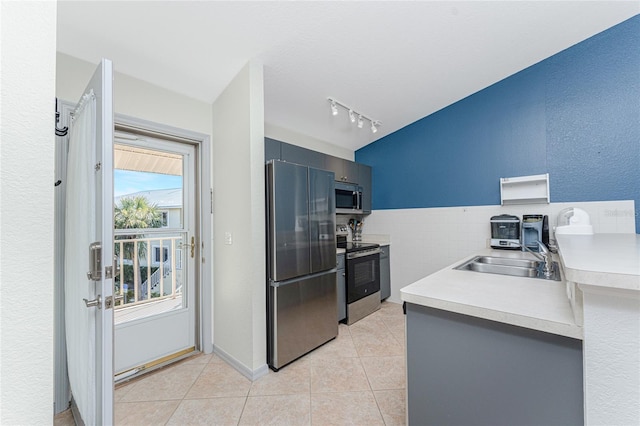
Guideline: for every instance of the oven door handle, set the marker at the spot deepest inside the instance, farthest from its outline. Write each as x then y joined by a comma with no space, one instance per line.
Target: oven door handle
358,254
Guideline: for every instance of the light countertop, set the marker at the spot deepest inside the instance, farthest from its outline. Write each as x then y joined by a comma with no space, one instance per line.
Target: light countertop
604,260
526,302
340,251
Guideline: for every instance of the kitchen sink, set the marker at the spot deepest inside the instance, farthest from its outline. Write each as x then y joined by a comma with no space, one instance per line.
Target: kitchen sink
506,261
509,266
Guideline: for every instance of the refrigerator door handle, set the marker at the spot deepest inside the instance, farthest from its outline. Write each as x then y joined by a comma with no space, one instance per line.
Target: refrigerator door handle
302,278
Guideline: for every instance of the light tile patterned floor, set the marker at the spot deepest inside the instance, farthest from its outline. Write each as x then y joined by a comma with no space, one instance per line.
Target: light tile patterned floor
356,379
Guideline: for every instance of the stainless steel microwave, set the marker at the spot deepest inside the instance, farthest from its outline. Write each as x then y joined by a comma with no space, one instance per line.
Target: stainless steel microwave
348,198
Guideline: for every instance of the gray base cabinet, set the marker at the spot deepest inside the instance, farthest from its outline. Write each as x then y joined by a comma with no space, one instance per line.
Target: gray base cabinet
463,370
385,273
342,289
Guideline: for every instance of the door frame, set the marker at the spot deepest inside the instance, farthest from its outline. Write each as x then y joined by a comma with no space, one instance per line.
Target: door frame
203,268
204,288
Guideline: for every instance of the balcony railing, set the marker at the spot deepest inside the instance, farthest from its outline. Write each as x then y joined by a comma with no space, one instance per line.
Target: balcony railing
150,268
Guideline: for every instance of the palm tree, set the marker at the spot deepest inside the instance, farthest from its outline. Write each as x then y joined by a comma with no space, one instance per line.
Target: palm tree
135,213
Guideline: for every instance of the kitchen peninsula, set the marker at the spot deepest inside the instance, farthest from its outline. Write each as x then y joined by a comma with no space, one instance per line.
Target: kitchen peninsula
491,349
494,349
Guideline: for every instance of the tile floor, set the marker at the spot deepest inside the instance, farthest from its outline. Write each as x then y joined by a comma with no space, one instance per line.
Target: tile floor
356,379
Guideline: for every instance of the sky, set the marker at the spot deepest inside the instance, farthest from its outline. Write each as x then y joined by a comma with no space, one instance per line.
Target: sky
128,182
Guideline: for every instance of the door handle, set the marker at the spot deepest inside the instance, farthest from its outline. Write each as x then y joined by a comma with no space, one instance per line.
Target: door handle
192,246
116,265
95,302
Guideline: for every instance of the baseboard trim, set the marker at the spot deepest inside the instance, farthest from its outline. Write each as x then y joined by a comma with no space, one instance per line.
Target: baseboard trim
250,374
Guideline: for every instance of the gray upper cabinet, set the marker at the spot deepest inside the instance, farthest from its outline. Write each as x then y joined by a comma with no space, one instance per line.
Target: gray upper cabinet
335,165
271,149
345,170
350,171
364,180
307,157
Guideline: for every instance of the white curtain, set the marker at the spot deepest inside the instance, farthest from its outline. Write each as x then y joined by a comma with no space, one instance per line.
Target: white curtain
80,232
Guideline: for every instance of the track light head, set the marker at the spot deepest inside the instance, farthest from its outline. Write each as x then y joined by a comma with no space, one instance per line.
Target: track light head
334,108
354,116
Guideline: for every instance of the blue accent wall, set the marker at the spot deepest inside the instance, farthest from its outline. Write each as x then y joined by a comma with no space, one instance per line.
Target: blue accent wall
575,115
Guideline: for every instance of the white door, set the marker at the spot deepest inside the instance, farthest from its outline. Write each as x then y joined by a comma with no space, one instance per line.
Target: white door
89,223
156,247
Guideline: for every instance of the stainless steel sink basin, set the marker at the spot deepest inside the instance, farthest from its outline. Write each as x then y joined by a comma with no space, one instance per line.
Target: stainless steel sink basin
507,266
505,261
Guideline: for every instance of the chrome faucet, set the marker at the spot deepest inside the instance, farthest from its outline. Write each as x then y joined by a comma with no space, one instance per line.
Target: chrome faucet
544,255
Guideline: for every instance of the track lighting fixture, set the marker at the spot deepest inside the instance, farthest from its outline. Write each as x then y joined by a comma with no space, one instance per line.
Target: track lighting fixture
353,114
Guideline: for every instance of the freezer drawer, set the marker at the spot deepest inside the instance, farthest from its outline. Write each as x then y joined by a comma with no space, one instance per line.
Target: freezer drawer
302,316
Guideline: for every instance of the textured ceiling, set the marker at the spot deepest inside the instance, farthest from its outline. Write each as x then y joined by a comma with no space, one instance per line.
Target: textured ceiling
394,61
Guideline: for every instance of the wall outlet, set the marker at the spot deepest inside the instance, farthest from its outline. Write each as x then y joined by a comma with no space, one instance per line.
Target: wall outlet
228,238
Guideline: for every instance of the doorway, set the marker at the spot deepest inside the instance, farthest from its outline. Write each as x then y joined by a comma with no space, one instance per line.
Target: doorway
202,260
156,244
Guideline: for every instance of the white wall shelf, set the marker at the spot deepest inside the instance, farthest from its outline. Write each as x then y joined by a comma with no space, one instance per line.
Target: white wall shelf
532,189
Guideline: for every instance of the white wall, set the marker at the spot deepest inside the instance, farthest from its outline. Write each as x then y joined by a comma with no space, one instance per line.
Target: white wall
134,97
426,240
26,212
239,270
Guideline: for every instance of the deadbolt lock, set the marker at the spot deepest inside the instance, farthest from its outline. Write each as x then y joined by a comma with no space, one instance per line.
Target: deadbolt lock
95,270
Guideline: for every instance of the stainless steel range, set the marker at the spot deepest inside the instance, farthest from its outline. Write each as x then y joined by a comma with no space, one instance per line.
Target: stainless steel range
362,277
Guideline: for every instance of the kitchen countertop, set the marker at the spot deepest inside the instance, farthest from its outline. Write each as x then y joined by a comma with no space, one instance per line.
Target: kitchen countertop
525,302
604,260
340,251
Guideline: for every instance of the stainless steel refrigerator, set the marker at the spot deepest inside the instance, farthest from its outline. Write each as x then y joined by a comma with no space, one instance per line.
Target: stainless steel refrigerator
301,261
